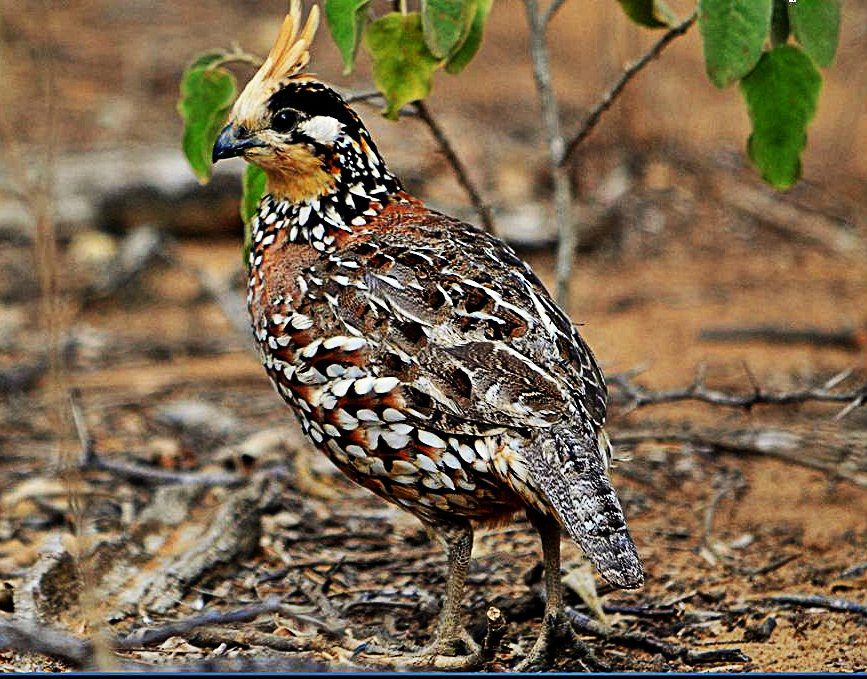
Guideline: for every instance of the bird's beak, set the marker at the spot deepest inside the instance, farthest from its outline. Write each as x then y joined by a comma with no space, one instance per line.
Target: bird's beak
230,144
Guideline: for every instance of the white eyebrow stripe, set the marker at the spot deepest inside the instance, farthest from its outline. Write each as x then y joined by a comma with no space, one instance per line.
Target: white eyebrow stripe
323,129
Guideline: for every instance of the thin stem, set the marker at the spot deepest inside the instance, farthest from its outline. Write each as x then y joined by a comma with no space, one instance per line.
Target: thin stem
460,170
551,10
551,121
238,55
628,74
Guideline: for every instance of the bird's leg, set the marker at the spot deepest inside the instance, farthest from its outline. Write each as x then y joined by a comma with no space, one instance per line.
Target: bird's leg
555,625
451,636
452,646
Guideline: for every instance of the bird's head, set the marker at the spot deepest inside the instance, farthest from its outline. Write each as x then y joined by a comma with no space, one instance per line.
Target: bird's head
291,125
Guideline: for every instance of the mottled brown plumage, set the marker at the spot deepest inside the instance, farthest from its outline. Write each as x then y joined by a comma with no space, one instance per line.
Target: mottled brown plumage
423,356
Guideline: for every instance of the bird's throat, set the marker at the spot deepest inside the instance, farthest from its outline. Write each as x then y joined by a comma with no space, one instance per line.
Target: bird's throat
296,175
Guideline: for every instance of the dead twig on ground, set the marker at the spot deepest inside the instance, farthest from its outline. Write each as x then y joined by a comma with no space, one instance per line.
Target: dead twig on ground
27,637
213,637
817,601
615,91
156,635
774,565
496,630
463,177
635,396
846,338
652,644
725,483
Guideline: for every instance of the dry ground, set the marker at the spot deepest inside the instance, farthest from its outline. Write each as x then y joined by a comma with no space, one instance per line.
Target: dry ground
678,237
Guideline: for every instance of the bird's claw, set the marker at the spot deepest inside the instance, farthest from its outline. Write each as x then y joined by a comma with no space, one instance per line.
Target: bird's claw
556,634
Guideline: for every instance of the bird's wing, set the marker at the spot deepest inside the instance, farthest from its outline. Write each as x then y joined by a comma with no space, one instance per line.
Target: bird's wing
474,331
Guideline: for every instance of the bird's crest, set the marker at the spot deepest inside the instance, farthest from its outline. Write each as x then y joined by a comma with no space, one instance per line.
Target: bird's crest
287,58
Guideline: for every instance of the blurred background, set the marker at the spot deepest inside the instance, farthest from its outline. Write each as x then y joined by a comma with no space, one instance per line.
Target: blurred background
121,277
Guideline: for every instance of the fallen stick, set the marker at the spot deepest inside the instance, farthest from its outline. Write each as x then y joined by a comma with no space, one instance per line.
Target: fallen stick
846,338
156,635
818,601
652,644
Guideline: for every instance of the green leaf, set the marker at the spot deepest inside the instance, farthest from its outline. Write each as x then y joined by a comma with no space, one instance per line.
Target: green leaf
446,24
734,33
252,190
650,13
816,25
402,64
781,94
780,23
471,45
206,97
346,19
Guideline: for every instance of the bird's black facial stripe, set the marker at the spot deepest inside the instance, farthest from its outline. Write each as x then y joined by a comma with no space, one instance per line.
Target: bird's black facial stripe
313,99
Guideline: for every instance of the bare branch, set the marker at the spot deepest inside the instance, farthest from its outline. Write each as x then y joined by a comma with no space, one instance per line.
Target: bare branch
157,635
638,639
31,638
636,396
628,74
551,10
817,601
458,167
551,121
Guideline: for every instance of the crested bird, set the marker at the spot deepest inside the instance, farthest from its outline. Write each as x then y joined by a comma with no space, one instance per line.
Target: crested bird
420,354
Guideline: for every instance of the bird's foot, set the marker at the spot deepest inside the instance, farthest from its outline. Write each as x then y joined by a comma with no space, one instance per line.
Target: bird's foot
456,652
557,638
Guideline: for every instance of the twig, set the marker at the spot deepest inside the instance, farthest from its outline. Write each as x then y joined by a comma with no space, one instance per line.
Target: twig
648,642
157,635
496,629
458,167
637,396
628,74
846,338
24,636
30,638
551,10
566,236
214,636
728,482
854,571
774,565
817,601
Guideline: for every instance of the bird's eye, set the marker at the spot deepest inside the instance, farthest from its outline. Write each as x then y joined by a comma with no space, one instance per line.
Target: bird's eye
284,120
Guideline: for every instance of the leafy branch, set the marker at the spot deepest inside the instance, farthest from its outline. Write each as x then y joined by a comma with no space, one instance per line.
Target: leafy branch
771,48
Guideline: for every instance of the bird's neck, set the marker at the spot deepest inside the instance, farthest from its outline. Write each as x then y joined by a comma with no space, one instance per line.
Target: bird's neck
362,186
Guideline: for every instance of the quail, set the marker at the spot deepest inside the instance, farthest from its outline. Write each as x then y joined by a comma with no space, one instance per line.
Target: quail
420,354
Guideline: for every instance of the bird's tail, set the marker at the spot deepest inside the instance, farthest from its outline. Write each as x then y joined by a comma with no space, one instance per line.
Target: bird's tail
571,472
